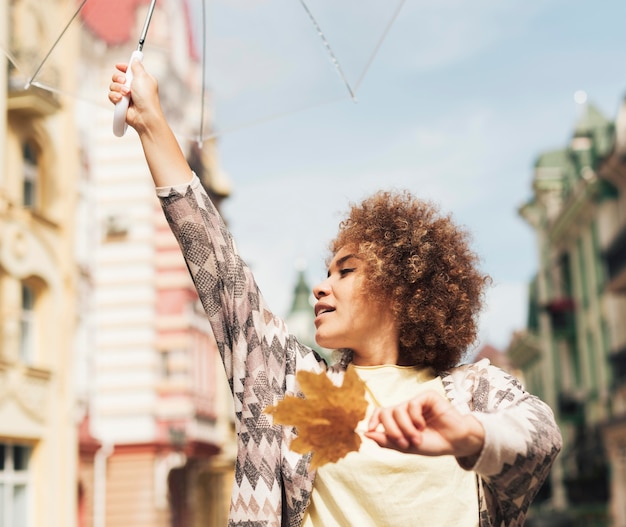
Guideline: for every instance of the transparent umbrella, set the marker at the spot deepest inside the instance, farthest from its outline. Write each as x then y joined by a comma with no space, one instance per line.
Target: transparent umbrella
222,65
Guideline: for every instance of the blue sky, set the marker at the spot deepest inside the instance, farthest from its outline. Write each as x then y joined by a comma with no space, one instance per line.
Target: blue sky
460,100
458,103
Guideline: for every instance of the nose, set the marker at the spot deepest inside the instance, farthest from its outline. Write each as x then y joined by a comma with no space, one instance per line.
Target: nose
322,289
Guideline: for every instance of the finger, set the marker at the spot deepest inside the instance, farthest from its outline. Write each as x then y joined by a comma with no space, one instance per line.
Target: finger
115,97
122,66
380,438
374,421
404,421
384,441
392,430
117,91
119,87
137,67
415,412
119,78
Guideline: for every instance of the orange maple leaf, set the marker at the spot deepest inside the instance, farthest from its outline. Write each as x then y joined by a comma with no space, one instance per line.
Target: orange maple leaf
326,418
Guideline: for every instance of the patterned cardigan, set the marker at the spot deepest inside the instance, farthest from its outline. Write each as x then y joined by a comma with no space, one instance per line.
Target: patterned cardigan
273,484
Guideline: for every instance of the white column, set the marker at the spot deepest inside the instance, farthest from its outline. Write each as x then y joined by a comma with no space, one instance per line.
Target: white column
100,484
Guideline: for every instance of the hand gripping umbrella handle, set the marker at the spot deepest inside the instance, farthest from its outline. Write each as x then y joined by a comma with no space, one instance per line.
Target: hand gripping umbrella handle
119,116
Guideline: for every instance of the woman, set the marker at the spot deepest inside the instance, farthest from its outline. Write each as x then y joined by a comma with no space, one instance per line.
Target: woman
442,444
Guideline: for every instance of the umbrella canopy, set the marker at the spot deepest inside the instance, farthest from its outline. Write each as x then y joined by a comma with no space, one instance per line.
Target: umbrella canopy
222,65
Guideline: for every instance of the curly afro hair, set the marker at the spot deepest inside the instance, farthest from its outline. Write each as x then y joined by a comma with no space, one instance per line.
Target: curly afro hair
420,262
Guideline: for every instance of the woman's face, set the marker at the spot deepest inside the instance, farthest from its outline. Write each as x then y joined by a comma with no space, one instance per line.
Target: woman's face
346,318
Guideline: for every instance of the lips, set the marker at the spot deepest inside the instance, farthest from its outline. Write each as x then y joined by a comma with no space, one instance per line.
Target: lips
321,308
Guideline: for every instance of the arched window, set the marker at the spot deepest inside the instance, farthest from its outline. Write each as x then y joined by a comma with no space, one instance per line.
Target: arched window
30,176
27,325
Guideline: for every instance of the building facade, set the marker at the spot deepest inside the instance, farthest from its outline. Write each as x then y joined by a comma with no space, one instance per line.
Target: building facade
613,170
570,350
39,171
157,394
114,408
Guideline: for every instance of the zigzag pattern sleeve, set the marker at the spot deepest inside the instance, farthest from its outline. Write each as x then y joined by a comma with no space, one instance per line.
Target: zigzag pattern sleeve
242,324
522,441
272,485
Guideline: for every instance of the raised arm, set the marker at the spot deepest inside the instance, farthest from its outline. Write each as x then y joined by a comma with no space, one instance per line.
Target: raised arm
166,161
245,328
224,283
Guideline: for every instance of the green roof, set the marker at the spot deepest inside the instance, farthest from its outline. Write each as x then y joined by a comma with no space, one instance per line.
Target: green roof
595,125
553,159
301,295
591,121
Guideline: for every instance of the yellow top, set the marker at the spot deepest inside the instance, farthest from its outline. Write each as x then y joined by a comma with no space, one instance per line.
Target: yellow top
378,487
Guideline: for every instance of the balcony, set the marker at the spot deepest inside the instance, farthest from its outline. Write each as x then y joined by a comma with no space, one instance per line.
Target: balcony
562,312
30,101
30,389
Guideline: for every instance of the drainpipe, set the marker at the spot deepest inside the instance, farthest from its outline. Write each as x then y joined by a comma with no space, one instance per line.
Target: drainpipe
100,484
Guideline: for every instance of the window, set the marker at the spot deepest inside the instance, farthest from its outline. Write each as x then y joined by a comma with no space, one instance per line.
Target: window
165,364
29,185
14,461
27,326
618,363
174,366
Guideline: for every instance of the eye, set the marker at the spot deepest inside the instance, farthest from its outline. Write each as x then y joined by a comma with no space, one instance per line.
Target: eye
344,271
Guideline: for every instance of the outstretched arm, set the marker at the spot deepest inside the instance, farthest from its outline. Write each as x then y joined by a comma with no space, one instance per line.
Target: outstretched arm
428,425
166,160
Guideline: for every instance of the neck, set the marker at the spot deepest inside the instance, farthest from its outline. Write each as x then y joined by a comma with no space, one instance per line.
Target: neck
384,354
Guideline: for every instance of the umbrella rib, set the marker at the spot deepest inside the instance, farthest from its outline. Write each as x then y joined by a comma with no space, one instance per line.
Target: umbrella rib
379,44
29,82
14,60
329,49
203,83
64,93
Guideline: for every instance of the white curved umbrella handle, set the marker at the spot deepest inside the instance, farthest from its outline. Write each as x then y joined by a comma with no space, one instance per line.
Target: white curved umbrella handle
119,116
